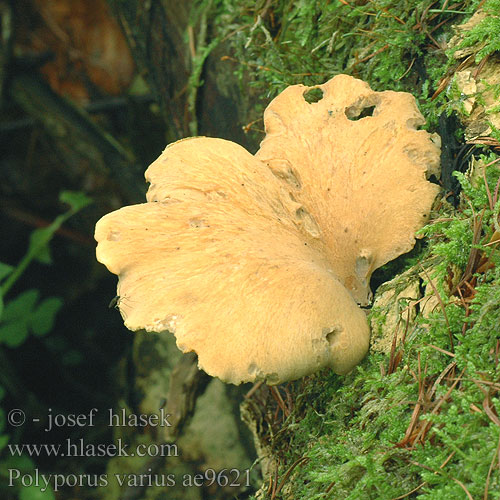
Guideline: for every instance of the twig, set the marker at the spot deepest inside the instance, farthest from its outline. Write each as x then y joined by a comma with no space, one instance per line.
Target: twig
444,351
300,461
410,492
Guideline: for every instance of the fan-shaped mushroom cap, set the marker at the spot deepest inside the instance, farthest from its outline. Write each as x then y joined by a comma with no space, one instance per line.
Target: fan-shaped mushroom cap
253,261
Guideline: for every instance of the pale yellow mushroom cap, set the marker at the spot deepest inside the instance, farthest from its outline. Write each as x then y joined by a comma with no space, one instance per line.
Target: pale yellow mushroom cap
256,262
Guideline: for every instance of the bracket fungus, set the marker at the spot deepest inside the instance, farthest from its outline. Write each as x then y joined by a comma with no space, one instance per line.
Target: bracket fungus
258,262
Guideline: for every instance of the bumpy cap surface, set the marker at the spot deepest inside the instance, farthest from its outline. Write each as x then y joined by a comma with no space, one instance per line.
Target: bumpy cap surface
256,262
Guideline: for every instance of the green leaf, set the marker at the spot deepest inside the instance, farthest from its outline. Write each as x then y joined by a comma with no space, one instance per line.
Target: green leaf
13,334
1,305
21,306
75,199
42,320
2,419
36,493
5,270
22,314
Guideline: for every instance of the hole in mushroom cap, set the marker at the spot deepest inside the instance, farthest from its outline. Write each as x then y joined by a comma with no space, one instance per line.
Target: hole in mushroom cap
313,95
363,107
355,114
